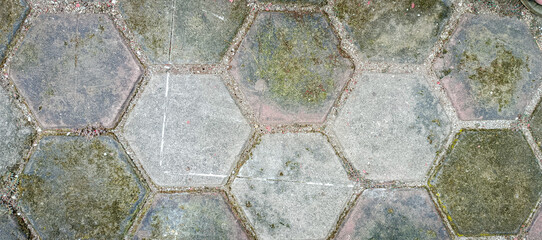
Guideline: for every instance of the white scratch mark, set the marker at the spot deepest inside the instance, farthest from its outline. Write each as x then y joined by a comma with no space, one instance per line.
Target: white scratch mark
197,174
308,183
214,14
164,120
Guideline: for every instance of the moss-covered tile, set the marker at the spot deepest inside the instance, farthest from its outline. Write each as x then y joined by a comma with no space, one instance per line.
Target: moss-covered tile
536,125
292,187
79,188
189,216
489,68
203,30
489,182
393,214
12,13
290,68
9,226
392,127
401,31
74,70
16,134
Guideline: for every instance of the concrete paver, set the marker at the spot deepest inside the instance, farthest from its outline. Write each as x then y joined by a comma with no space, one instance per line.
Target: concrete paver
9,227
393,214
74,70
16,134
293,186
289,67
489,182
396,31
189,216
186,130
12,13
75,188
392,126
489,68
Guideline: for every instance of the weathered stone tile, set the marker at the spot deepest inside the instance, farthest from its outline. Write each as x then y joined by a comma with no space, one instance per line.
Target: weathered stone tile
9,227
489,182
535,230
392,126
398,31
293,186
536,125
74,70
12,13
185,31
490,67
190,216
393,214
289,67
75,188
203,30
15,134
186,130
151,23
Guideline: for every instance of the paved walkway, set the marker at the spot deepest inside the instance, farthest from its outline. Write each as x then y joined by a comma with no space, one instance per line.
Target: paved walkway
270,119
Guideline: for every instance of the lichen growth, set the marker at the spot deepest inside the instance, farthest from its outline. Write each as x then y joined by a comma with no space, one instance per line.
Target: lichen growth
79,188
290,56
494,85
489,182
376,26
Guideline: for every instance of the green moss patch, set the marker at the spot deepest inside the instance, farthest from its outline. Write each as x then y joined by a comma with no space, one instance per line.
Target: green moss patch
75,188
489,182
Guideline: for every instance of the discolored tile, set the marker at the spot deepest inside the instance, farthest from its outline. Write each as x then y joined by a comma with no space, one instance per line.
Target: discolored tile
391,127
74,187
289,67
397,31
9,226
12,13
489,182
74,70
393,214
489,68
189,216
186,130
293,186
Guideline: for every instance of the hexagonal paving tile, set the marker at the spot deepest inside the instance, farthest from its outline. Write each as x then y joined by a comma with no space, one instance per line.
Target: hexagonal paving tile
490,67
186,130
398,31
392,126
535,230
16,134
190,216
393,214
75,188
9,227
488,183
185,31
536,125
74,70
293,186
289,67
12,13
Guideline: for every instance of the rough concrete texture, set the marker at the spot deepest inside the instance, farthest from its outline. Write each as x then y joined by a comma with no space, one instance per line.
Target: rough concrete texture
391,127
293,186
393,214
12,13
488,183
535,231
186,130
79,188
16,134
289,67
74,70
189,216
9,226
185,31
536,125
318,2
490,67
396,31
